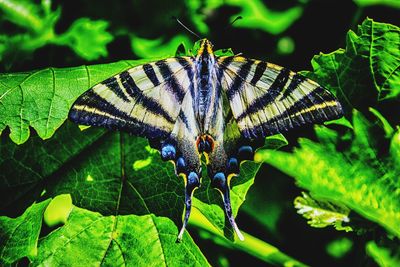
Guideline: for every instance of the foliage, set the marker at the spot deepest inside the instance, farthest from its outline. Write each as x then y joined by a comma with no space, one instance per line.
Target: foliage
147,48
107,198
367,62
36,24
342,176
392,3
339,247
322,214
19,236
91,239
383,256
256,14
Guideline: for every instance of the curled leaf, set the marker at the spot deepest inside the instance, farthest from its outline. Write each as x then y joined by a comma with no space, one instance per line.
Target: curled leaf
321,213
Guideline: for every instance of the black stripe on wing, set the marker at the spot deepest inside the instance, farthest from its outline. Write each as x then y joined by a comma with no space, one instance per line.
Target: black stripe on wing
268,97
172,85
295,82
148,103
187,66
113,85
260,69
239,80
108,116
316,107
151,74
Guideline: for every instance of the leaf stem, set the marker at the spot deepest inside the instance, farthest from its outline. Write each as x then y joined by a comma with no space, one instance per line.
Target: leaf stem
251,245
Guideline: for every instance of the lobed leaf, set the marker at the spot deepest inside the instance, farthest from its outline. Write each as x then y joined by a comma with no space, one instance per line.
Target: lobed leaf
367,70
90,239
88,38
42,99
19,236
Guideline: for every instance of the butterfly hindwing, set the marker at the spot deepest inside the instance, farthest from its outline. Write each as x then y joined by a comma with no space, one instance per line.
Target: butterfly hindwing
267,99
144,100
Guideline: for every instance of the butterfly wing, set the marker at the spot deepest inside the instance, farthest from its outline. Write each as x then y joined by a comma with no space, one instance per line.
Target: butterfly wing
151,100
267,99
144,100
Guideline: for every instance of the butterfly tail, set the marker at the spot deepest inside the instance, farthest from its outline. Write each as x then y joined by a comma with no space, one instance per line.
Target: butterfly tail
221,183
192,182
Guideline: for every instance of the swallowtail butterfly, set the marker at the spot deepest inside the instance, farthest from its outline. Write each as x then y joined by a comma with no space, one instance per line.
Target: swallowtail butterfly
218,106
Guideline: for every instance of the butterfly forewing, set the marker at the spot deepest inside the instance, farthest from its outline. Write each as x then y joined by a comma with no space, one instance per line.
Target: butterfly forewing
267,99
144,100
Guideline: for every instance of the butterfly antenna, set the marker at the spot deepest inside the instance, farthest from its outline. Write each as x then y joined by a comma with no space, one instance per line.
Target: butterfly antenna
236,19
186,28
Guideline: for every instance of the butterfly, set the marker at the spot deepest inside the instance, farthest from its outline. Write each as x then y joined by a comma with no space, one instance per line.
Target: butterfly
216,106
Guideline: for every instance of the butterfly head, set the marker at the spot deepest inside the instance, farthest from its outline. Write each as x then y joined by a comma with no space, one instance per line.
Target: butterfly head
205,48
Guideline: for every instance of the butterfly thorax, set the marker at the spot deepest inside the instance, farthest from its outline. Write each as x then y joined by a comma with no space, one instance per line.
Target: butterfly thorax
207,91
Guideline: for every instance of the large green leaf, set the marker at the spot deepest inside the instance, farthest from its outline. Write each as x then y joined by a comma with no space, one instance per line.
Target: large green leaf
91,239
367,70
41,99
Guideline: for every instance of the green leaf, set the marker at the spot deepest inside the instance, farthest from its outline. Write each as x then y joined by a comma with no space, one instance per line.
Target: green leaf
57,212
147,48
90,239
339,248
88,38
355,177
321,213
395,148
380,42
383,256
37,22
367,70
256,15
385,125
259,16
19,236
42,99
27,14
366,3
